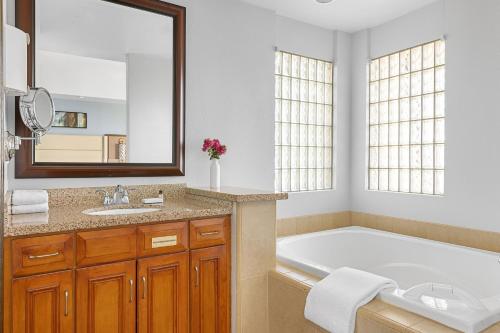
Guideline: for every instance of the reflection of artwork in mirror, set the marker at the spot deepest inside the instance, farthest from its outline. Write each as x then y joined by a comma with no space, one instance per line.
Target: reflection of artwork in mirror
70,119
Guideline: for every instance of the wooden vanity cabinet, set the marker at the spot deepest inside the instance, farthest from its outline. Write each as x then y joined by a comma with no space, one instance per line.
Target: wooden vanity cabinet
43,254
163,294
43,303
103,246
105,298
210,290
158,278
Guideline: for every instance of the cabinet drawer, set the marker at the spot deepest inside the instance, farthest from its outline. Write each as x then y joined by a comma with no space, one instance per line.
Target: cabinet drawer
96,247
162,238
210,232
42,254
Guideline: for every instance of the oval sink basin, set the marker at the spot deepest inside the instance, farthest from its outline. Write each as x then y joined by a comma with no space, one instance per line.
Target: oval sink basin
121,211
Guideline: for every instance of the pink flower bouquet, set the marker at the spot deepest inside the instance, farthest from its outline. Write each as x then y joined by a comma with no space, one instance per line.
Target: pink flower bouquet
214,148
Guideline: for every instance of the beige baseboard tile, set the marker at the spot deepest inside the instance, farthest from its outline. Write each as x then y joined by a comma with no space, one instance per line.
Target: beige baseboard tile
479,239
286,227
312,223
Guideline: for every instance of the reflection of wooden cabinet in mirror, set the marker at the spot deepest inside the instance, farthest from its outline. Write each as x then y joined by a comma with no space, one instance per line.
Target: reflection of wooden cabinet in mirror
124,83
81,149
70,149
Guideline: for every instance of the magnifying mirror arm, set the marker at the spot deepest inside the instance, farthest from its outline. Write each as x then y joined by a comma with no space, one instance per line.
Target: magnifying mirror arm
13,143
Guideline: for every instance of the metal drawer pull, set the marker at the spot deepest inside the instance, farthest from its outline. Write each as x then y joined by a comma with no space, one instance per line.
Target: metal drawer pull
197,270
131,290
209,233
163,241
66,296
41,256
144,291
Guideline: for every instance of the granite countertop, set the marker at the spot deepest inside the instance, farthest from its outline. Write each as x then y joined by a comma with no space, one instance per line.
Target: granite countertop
181,203
71,218
237,194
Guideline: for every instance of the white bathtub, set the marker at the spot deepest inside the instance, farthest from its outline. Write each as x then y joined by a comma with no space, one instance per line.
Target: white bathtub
454,285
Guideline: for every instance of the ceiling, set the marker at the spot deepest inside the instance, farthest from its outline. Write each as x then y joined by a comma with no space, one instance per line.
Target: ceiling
343,15
100,29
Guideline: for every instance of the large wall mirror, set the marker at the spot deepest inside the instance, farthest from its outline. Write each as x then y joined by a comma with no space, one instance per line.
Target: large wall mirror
115,69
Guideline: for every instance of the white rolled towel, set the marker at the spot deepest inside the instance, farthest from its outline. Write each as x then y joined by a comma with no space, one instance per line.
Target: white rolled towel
29,197
30,219
30,209
333,302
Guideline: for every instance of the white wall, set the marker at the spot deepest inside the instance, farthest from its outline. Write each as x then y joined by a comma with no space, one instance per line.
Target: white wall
301,38
97,78
472,179
149,108
229,95
230,86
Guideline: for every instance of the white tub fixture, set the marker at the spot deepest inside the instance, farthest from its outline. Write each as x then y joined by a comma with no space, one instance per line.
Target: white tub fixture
454,285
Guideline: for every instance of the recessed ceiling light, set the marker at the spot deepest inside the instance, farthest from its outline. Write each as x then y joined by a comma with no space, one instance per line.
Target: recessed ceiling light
324,1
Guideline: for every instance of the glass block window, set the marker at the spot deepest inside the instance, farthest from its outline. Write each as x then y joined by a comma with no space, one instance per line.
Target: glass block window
406,120
303,123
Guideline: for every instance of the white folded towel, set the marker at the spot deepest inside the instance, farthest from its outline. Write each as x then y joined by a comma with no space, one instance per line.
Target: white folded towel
29,197
30,209
333,302
30,219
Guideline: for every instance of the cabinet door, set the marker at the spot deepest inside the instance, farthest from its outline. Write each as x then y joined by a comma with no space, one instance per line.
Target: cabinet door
43,303
210,290
163,294
105,298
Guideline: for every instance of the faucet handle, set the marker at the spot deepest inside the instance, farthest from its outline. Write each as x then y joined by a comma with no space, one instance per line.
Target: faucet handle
107,198
125,197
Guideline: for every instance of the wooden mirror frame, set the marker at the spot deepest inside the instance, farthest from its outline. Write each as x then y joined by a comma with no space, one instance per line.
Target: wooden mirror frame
25,168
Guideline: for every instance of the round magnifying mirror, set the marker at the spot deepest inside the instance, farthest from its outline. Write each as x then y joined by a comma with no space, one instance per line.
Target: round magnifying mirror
37,110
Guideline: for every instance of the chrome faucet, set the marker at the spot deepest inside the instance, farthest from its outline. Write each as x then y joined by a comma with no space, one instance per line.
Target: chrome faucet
120,196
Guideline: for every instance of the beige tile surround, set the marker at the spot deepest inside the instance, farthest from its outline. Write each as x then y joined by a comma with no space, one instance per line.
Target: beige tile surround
485,240
288,290
255,257
311,223
479,239
288,287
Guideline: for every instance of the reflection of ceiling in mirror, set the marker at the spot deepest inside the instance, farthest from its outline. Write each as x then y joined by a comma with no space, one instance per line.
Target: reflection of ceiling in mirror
100,29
